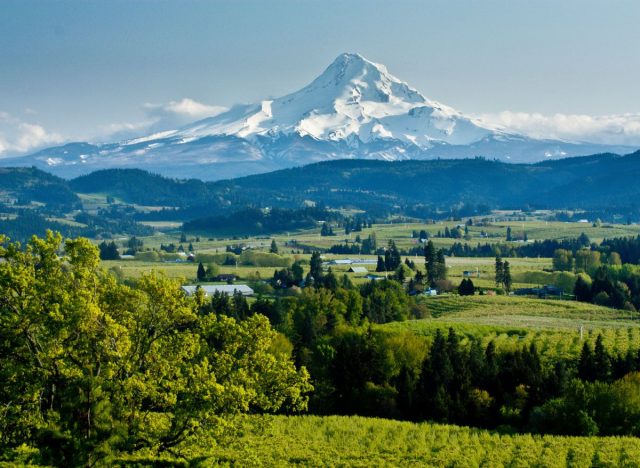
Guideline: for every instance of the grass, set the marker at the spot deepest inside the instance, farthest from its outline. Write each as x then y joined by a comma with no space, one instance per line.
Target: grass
366,442
558,328
503,310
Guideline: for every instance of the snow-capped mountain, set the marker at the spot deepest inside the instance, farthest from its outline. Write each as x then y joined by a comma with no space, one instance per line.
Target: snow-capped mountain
354,109
353,100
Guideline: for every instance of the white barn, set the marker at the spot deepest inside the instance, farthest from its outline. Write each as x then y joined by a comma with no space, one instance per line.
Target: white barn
355,269
211,289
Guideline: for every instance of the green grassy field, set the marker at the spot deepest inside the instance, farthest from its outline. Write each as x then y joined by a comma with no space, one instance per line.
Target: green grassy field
401,233
368,442
456,266
558,328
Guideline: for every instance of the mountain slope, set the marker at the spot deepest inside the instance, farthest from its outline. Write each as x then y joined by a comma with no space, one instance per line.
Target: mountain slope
355,109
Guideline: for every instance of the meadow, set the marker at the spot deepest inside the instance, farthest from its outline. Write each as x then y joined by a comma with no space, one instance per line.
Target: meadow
482,269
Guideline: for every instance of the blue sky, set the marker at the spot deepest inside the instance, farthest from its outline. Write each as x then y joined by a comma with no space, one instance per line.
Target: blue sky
110,69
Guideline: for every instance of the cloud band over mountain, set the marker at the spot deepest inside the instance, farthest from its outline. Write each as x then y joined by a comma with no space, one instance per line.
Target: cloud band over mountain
623,129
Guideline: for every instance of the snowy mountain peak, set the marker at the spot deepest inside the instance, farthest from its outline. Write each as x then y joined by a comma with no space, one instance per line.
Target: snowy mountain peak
352,75
354,101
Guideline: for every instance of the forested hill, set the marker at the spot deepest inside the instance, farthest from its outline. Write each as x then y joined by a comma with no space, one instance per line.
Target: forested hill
23,185
142,187
575,182
590,182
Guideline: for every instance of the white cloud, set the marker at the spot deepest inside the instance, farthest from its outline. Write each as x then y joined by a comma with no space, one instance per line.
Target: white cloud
622,129
18,136
160,117
177,113
186,108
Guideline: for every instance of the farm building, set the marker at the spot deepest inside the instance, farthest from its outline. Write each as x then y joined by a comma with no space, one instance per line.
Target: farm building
364,261
211,289
375,277
545,291
361,270
351,261
341,261
225,278
430,292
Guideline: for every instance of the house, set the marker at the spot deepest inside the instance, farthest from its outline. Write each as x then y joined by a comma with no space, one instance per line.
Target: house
374,277
430,292
359,270
225,278
470,274
211,289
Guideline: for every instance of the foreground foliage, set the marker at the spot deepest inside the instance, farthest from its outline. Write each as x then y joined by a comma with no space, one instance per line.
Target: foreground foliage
91,368
357,441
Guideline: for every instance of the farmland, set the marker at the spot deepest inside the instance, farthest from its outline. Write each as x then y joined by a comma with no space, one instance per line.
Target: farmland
558,328
357,441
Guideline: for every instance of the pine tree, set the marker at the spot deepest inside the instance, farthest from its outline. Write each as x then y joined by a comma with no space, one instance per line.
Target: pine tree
241,309
297,272
430,258
392,257
506,279
499,272
330,281
109,251
471,288
381,266
315,265
601,360
508,233
202,274
586,364
462,288
466,288
441,266
274,247
582,290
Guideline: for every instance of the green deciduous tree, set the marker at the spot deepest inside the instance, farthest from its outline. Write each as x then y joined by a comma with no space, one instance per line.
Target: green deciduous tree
92,368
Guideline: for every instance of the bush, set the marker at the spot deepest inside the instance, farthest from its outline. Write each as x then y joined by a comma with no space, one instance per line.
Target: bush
217,258
148,256
263,259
